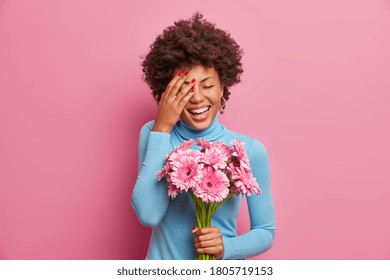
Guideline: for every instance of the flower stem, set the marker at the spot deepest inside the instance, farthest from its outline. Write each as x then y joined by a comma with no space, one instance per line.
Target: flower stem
223,201
204,213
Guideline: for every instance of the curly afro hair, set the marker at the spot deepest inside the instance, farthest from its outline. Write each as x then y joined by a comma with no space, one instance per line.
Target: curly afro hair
189,42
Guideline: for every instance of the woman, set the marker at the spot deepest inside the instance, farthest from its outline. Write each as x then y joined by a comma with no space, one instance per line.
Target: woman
190,68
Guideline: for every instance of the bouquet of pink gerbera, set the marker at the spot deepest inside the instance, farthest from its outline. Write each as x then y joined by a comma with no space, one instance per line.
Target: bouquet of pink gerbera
211,175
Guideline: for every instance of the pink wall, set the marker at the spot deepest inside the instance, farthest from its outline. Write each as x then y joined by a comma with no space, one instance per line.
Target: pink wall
315,91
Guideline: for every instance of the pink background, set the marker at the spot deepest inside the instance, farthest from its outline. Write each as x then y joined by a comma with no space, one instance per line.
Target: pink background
315,91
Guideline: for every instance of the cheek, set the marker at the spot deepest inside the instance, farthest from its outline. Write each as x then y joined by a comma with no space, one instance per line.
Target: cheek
218,97
214,99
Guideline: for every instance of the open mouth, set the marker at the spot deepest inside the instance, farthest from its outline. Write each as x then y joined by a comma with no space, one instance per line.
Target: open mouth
199,113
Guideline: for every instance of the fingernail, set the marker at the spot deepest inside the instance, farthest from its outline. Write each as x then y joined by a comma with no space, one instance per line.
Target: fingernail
192,90
194,228
193,81
181,73
185,73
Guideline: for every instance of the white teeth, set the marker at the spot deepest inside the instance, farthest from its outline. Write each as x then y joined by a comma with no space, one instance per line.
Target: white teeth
200,110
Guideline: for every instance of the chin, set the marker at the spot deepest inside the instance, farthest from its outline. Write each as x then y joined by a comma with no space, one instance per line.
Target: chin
201,126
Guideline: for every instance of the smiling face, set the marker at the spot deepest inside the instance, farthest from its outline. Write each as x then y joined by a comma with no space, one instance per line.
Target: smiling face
204,105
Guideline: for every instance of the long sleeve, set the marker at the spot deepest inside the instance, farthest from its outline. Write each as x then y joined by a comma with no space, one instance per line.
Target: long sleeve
260,237
150,199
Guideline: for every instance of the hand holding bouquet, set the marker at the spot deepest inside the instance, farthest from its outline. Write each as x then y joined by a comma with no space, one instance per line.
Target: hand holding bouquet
211,175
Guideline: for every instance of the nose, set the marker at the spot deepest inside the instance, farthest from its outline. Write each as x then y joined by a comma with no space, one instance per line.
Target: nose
197,97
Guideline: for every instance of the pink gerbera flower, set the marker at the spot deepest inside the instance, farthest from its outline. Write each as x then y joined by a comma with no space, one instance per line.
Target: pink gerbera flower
163,172
173,191
244,181
186,145
224,149
213,187
186,173
203,143
178,155
240,153
214,158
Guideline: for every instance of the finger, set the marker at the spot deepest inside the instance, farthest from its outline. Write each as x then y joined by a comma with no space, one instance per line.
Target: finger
186,88
205,230
178,85
182,103
208,243
181,89
208,237
172,83
185,100
210,250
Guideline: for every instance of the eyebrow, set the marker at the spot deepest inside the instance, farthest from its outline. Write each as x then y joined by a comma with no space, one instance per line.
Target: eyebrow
205,79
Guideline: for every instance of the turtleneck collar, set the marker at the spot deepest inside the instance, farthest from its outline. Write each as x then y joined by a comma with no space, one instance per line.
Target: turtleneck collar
214,132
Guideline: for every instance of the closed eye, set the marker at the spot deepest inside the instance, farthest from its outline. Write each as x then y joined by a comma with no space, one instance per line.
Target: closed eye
206,87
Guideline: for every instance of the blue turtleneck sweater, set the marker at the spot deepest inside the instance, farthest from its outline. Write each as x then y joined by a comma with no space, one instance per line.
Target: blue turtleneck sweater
172,219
